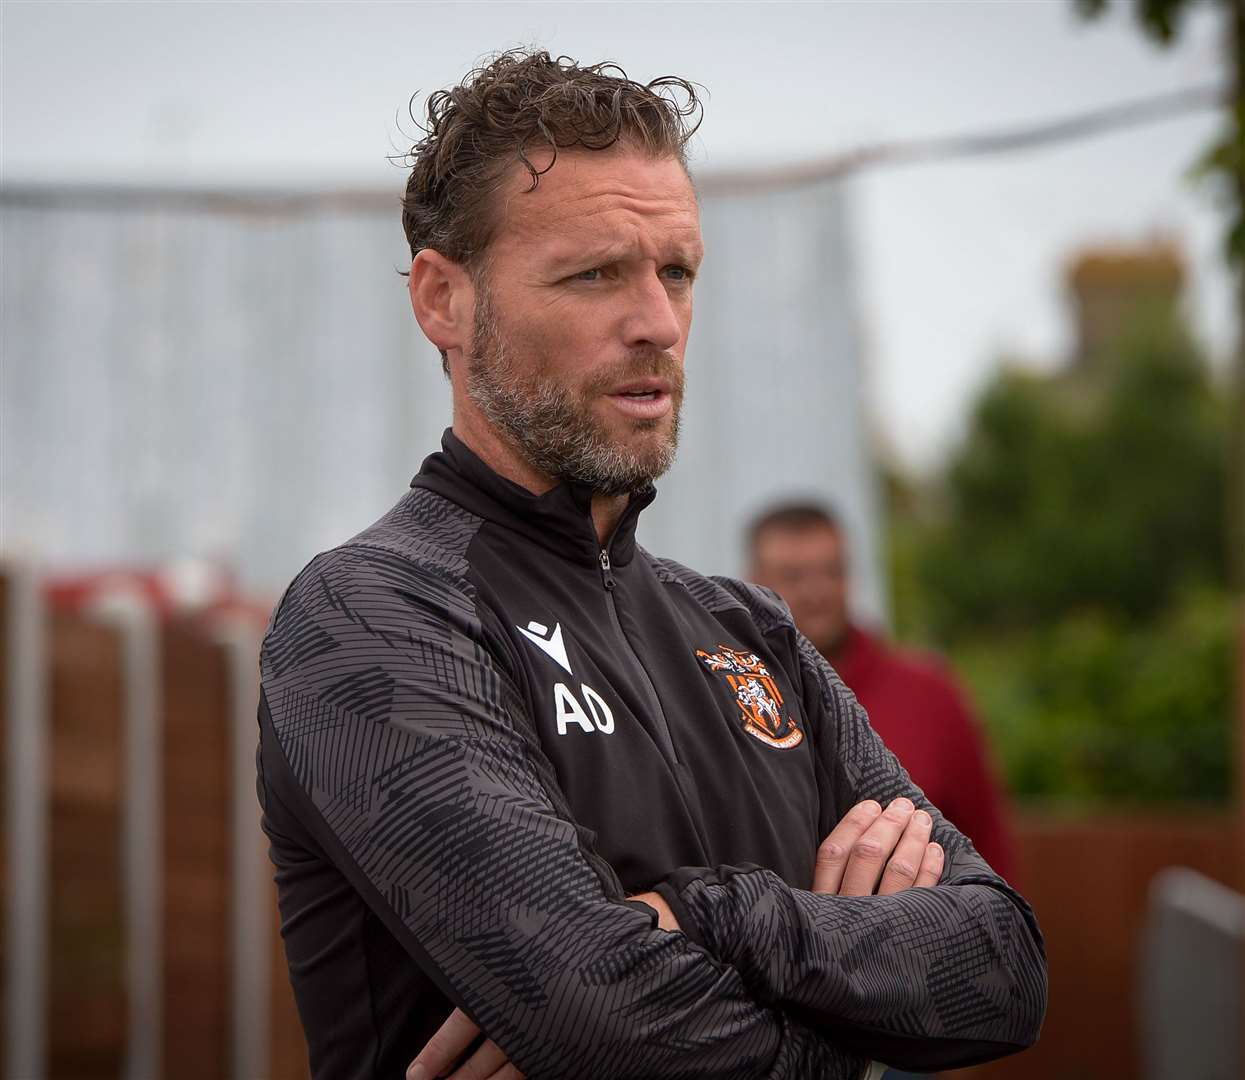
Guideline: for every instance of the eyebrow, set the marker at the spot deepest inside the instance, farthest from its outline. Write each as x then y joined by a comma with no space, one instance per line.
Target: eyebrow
567,259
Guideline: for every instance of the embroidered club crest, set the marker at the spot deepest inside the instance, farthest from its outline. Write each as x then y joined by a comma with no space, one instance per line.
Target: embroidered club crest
756,694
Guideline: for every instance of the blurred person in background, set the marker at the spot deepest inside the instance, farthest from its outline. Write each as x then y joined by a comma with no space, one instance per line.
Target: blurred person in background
800,551
544,804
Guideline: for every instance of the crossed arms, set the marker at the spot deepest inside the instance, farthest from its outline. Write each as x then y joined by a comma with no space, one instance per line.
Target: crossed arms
870,850
417,750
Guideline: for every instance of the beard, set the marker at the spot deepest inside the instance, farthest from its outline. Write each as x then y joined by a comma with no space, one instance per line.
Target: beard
552,424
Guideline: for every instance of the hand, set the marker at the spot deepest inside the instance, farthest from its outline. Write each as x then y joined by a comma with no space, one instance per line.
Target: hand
665,917
873,849
447,1046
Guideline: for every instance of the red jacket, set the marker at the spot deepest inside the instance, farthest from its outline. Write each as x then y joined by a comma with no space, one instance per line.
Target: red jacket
915,705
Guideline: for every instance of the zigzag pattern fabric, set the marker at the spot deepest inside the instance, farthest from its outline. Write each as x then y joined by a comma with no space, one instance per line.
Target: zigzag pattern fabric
405,769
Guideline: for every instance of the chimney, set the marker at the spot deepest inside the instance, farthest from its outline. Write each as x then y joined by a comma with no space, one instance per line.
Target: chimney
1109,286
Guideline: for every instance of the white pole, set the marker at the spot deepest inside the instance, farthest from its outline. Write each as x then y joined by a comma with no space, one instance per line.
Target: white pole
141,831
26,784
251,900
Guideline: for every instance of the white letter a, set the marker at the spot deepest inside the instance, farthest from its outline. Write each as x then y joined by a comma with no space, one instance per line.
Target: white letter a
569,710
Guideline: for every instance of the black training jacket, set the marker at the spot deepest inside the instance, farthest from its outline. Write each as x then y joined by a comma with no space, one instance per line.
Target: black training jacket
479,733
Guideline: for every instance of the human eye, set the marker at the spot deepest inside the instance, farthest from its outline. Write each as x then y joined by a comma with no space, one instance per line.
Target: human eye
676,273
594,274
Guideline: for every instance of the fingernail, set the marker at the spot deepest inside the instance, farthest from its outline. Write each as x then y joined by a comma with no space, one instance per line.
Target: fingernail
902,804
871,807
922,817
416,1072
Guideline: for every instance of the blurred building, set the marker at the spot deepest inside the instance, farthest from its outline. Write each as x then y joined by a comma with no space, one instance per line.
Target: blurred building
1108,286
237,378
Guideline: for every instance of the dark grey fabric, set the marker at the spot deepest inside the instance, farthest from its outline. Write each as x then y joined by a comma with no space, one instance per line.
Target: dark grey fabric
439,843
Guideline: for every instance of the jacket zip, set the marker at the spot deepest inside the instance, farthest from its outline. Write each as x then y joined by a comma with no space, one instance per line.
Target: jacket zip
607,579
682,777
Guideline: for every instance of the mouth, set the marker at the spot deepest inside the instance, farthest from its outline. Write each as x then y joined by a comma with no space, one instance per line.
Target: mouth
644,399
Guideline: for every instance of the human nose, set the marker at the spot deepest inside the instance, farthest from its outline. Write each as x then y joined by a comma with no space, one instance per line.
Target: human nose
651,317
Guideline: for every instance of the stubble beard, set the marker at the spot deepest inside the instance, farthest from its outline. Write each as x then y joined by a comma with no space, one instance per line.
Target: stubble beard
554,427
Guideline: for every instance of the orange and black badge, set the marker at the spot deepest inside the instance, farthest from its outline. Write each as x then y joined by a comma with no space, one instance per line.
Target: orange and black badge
756,694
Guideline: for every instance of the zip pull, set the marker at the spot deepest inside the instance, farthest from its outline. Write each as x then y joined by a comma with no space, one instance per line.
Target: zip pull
606,577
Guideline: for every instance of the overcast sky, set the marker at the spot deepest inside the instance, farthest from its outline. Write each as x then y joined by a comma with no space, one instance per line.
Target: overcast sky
956,263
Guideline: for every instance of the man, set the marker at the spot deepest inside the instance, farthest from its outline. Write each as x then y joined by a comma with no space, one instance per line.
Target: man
615,816
799,550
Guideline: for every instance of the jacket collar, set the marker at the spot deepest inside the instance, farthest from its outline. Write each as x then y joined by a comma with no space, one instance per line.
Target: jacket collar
559,520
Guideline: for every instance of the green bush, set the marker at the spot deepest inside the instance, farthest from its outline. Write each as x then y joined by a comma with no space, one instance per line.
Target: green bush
1091,710
1101,491
1073,566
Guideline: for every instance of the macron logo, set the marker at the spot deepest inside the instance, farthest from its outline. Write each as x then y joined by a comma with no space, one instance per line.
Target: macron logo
548,642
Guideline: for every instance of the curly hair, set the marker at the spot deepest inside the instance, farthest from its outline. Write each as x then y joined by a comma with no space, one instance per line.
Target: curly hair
520,100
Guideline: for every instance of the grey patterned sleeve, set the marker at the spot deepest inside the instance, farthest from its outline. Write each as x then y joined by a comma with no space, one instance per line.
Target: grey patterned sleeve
414,748
924,979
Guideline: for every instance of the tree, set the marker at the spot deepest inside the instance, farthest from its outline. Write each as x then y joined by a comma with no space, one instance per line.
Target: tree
1097,491
1223,163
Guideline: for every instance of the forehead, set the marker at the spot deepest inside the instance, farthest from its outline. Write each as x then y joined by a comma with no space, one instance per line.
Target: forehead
783,543
614,195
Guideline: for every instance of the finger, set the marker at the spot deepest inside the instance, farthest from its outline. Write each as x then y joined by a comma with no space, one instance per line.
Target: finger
931,867
904,865
507,1072
487,1060
834,850
444,1048
870,853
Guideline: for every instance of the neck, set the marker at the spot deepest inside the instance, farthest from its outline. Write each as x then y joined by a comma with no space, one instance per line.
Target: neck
835,650
606,512
483,440
491,447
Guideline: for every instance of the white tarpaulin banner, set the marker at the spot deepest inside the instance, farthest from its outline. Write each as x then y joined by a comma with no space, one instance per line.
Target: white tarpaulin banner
238,378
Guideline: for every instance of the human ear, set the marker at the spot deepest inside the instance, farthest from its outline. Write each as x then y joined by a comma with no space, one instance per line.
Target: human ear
443,299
